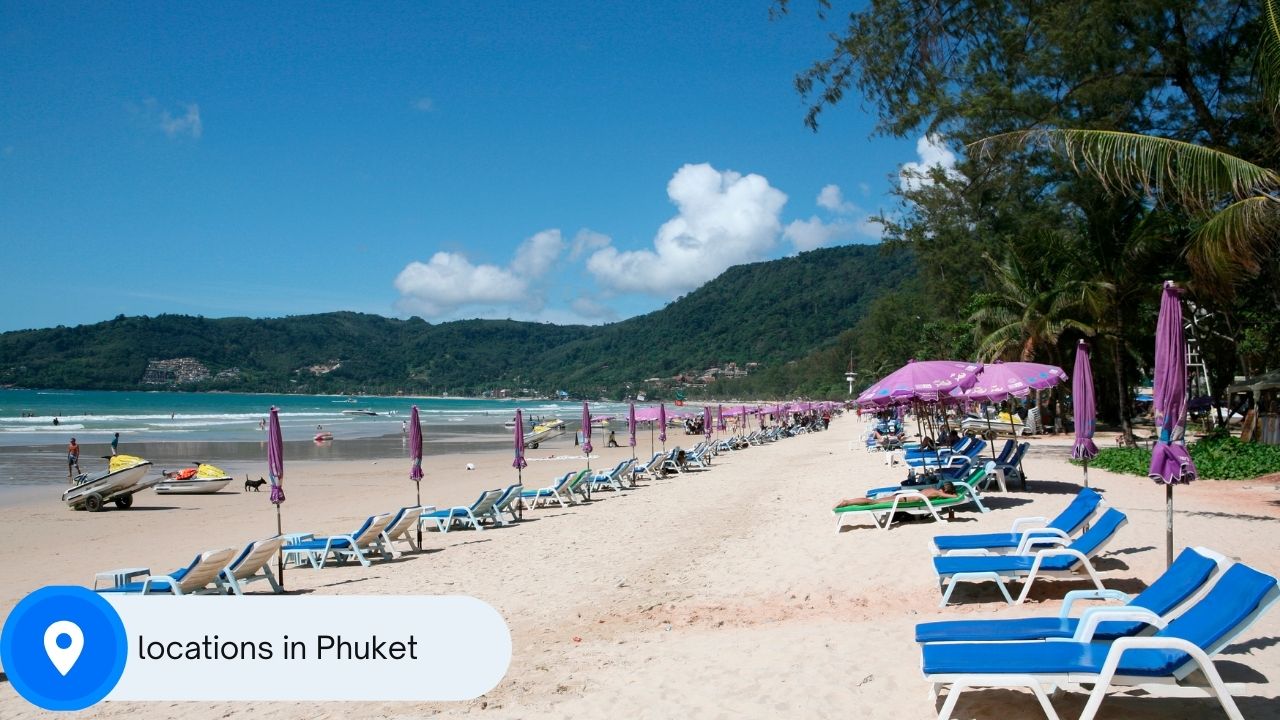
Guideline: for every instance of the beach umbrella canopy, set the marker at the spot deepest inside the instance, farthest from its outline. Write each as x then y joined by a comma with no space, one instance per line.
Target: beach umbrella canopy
662,425
631,427
519,463
1082,409
586,432
1000,380
1170,461
275,470
923,380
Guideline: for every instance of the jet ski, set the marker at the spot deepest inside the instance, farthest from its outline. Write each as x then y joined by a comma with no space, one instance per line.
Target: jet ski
203,479
124,476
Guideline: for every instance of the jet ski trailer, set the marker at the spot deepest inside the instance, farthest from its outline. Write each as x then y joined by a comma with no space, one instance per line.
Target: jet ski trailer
124,476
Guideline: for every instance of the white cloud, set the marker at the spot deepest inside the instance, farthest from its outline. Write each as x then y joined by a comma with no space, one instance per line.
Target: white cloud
449,281
538,254
814,233
423,104
186,124
587,241
933,152
723,219
832,199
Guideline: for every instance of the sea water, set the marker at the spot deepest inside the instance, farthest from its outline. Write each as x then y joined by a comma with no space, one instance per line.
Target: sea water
176,428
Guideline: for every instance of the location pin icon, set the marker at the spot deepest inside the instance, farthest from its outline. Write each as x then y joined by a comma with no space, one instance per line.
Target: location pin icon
63,658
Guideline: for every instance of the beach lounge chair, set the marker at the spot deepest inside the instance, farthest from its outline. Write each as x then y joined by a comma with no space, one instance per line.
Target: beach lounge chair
200,577
558,491
1063,561
909,502
402,528
1012,466
977,478
579,484
652,468
1184,583
253,563
465,514
506,503
950,460
611,479
1186,644
315,551
699,457
1067,523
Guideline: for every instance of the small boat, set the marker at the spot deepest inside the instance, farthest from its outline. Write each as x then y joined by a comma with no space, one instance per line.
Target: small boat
358,412
203,479
124,476
551,424
324,436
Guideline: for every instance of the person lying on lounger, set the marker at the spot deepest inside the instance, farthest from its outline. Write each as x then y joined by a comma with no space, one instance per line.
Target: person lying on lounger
946,492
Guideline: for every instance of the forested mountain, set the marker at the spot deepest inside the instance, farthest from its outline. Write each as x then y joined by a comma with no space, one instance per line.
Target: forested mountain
768,313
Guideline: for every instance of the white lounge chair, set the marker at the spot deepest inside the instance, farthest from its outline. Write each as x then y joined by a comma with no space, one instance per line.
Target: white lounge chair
253,563
316,550
403,528
200,577
558,491
465,514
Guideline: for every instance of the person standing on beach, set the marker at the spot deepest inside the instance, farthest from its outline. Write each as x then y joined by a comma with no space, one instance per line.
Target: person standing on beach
73,459
115,445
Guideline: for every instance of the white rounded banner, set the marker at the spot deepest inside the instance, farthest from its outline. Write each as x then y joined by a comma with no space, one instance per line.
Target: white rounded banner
310,648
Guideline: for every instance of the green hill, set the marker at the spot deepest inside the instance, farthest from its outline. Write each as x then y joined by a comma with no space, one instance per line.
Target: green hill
767,313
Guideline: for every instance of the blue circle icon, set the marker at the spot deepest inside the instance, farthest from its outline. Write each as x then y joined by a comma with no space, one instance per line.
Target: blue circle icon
63,648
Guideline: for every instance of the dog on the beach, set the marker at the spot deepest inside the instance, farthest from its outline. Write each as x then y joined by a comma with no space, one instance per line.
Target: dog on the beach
253,484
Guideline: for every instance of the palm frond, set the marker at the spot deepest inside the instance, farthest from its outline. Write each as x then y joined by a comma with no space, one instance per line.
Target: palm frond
1269,56
1237,236
1173,171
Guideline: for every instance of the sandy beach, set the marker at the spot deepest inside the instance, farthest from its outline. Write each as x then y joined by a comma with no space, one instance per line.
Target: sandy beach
722,593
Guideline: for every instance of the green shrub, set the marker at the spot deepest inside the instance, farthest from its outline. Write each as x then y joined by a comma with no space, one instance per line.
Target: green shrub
1216,457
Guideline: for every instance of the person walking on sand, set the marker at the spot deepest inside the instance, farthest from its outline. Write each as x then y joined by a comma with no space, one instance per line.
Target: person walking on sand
115,445
73,459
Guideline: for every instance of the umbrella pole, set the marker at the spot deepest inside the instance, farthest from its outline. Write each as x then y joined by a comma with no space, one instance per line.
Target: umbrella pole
418,494
1168,524
279,557
520,504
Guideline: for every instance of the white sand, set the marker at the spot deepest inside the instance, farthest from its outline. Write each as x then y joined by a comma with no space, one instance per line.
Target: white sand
724,593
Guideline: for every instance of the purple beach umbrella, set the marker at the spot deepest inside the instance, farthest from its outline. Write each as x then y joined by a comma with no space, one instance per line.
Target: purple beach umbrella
925,380
586,433
415,455
662,425
520,463
631,429
1082,409
275,470
720,423
1000,380
706,421
1170,461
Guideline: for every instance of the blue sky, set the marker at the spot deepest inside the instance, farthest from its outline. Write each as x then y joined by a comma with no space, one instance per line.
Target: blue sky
552,161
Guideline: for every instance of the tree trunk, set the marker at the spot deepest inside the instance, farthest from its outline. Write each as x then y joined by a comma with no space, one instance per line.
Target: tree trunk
1117,360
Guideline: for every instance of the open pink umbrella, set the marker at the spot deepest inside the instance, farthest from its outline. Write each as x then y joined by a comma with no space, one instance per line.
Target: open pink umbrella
1170,461
1082,409
924,380
275,470
519,463
415,454
1000,380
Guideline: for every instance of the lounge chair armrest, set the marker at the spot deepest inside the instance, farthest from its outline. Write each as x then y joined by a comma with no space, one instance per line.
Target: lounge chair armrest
1093,617
1075,595
1028,523
146,583
969,552
1028,542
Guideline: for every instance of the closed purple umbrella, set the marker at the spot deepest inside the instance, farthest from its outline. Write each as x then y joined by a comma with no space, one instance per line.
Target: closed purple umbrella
520,463
1170,461
1082,409
706,421
275,470
662,425
586,433
720,423
631,429
415,454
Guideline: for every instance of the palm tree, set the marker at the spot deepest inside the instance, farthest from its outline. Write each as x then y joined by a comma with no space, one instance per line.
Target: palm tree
1034,299
1236,201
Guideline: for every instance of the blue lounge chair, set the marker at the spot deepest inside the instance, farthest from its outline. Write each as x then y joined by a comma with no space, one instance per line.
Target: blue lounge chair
612,479
315,551
909,502
200,577
1185,645
471,514
252,564
1181,585
1070,520
506,503
1053,562
402,528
